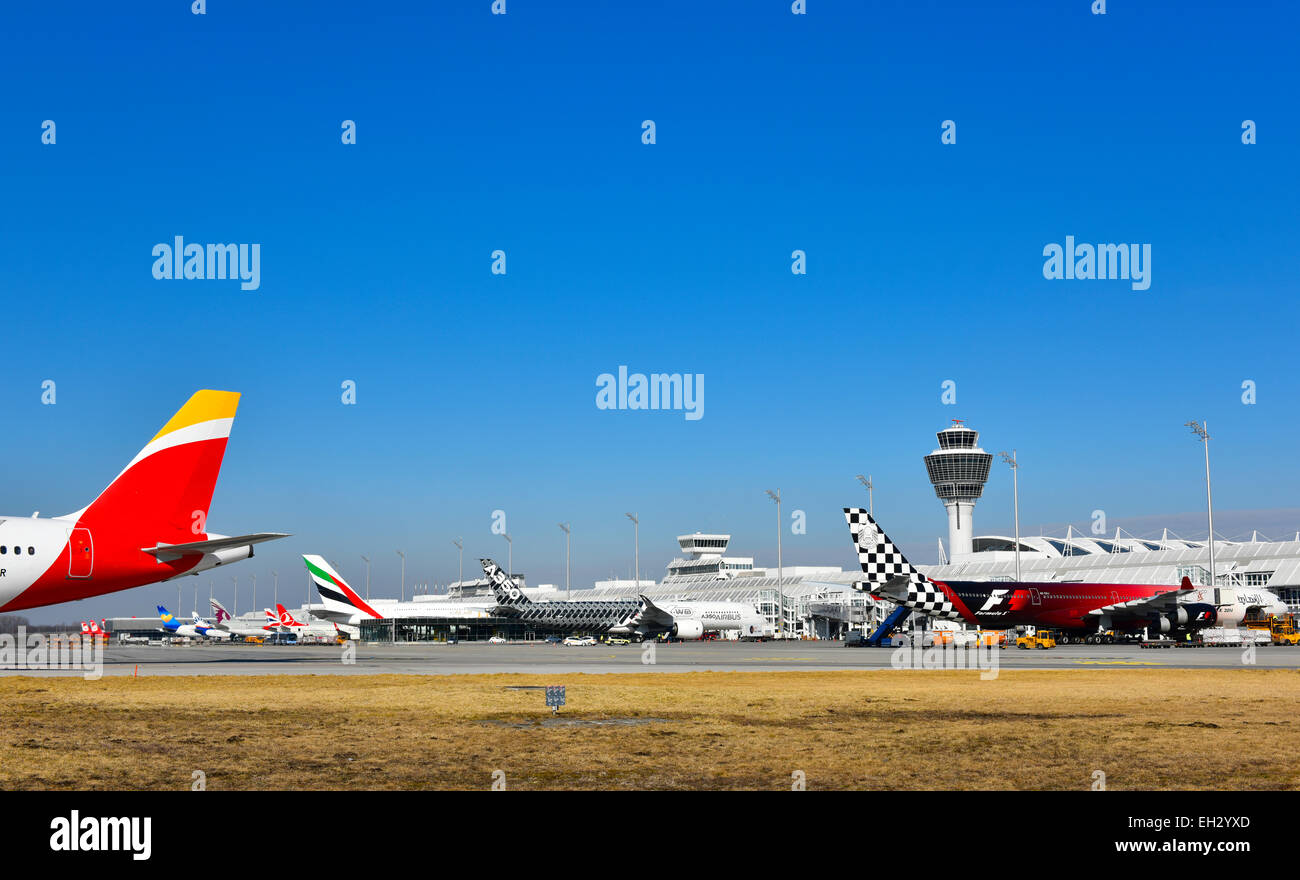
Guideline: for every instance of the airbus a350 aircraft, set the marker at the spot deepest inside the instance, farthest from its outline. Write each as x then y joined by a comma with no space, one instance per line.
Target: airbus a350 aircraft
1075,607
149,525
634,617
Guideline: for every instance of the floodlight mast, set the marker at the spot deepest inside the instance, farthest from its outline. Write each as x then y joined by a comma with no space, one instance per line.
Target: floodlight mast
1010,459
565,527
1202,431
780,590
636,551
871,501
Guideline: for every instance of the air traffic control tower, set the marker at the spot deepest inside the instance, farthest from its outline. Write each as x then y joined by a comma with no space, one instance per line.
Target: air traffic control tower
959,469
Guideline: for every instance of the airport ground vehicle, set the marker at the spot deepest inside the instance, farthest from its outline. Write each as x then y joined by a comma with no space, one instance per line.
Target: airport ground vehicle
579,641
553,640
1042,638
1284,632
617,640
496,640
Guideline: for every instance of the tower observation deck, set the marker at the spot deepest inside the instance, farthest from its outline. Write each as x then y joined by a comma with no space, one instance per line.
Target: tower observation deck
958,469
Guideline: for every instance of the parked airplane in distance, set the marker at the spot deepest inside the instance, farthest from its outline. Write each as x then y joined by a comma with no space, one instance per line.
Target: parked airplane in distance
342,605
1078,607
235,627
149,525
174,627
634,617
283,621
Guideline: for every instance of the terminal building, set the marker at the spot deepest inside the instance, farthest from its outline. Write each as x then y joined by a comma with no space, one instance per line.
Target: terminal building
819,601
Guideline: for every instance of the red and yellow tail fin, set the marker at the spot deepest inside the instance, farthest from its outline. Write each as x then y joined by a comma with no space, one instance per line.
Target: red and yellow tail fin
167,488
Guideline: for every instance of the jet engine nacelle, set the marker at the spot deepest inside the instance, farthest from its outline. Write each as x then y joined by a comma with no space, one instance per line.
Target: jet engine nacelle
1190,616
221,557
688,630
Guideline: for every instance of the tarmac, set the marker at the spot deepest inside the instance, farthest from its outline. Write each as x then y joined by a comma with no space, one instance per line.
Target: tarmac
468,658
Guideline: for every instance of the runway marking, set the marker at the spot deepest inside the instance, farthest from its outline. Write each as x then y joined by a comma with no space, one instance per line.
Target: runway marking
1119,662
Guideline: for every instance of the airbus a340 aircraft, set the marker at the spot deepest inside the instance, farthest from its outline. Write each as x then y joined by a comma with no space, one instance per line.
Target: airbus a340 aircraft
149,525
1077,607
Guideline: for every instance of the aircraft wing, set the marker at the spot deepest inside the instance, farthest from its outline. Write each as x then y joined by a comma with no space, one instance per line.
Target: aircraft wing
168,552
652,615
1144,607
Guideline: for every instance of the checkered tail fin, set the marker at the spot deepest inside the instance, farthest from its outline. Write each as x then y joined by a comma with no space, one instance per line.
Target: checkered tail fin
880,558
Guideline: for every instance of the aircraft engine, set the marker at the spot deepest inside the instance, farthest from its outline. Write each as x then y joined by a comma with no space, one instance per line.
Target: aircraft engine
688,629
221,557
1190,616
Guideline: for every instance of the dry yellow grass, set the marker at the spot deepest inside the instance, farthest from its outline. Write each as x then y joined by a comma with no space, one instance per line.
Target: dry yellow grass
1230,729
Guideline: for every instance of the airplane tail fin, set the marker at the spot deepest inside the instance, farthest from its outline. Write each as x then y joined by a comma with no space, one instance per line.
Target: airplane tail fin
169,622
284,616
507,592
166,490
888,573
219,612
334,592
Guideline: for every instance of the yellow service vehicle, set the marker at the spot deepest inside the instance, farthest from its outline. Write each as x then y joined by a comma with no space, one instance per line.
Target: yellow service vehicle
1284,631
1042,638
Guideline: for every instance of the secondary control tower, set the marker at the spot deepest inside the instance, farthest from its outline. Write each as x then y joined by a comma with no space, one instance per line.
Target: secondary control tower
959,469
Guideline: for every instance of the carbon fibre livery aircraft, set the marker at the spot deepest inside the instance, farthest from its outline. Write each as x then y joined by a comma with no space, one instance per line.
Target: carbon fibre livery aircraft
149,525
1076,607
634,617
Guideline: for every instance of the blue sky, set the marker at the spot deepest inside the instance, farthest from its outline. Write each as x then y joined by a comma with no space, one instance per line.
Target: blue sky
522,132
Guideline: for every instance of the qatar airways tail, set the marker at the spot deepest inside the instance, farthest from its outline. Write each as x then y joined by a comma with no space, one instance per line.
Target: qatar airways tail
149,525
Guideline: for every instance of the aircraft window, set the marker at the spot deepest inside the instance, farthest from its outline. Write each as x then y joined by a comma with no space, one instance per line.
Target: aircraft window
31,551
18,551
3,550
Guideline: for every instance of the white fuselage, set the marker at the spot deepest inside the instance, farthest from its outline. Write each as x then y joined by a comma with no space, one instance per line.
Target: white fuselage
19,570
717,616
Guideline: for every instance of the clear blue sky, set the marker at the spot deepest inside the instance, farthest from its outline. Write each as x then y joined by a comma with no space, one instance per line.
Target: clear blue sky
523,132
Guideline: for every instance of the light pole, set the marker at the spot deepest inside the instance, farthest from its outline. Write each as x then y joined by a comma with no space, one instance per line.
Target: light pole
366,560
780,590
403,555
1015,491
636,548
254,577
275,586
460,545
510,558
1202,431
568,589
871,501
235,579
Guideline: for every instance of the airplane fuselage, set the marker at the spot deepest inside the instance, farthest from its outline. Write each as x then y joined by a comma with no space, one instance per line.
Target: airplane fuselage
1066,606
51,560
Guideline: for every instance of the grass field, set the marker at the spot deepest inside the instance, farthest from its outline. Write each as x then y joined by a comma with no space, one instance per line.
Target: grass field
1231,729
